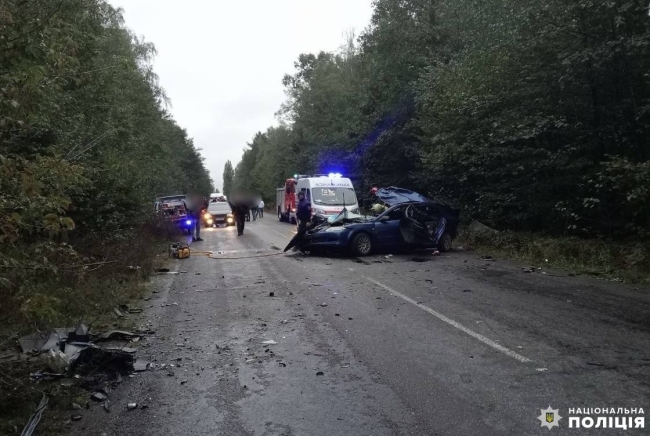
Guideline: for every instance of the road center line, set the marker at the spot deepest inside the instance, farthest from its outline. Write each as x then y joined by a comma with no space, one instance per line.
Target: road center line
453,323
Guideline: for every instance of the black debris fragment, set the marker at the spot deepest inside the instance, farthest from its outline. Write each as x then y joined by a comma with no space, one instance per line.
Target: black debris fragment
93,359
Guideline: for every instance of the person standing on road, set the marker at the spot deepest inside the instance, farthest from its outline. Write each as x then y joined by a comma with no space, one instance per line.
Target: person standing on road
304,212
260,209
240,217
195,205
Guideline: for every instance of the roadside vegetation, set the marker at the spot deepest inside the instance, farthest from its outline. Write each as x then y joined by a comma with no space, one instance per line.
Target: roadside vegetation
86,143
531,116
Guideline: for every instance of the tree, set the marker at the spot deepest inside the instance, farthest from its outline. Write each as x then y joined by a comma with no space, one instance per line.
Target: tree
86,145
530,115
228,178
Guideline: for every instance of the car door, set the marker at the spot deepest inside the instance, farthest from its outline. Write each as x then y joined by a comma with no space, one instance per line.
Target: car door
387,232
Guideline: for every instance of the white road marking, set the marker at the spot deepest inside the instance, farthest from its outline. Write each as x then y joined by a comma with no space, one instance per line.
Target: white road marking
453,323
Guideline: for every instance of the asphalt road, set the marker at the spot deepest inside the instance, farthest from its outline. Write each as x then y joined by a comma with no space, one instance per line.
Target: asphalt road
452,346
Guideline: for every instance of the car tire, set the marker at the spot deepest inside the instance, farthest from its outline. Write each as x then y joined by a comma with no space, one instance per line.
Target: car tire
280,215
445,243
361,245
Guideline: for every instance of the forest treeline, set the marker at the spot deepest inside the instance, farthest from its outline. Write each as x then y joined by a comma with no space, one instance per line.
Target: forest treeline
85,146
530,115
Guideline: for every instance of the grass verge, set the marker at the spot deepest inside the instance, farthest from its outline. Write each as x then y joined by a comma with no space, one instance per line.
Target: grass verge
627,261
89,294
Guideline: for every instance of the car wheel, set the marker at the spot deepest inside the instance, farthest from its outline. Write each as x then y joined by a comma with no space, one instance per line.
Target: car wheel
279,215
445,243
361,244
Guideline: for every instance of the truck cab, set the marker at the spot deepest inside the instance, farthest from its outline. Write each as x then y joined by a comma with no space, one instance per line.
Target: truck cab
286,201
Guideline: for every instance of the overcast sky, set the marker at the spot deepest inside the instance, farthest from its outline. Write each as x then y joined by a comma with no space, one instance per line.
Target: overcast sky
221,62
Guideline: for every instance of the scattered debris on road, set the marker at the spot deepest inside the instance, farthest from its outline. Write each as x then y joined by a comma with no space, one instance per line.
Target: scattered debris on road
131,406
140,365
98,396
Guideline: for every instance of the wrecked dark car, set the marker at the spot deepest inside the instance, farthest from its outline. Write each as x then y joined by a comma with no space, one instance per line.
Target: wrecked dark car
411,221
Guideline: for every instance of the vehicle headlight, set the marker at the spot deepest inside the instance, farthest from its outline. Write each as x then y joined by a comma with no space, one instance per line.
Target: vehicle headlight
229,219
207,216
210,222
293,210
335,229
355,211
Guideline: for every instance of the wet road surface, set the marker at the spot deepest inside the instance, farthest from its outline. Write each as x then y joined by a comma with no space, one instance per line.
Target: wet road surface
452,346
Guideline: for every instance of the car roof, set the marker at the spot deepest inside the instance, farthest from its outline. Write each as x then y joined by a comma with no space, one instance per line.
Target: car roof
393,195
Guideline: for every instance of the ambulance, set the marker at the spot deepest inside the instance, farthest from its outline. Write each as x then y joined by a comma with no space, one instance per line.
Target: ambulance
327,193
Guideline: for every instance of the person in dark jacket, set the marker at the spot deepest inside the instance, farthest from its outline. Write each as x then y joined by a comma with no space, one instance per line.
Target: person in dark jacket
304,212
241,212
195,206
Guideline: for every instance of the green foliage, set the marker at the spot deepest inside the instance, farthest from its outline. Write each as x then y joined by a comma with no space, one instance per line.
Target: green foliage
529,115
628,261
85,146
228,178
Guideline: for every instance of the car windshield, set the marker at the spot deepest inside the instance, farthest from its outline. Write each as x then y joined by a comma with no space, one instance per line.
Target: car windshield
333,196
172,198
220,206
